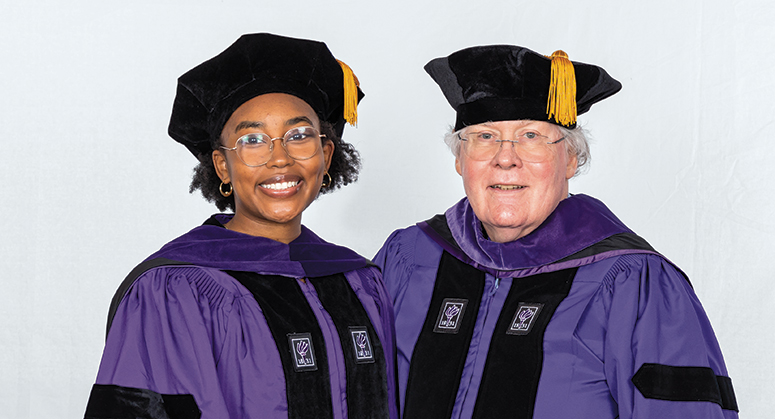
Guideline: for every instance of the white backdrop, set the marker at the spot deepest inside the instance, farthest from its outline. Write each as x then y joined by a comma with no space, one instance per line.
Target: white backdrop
91,183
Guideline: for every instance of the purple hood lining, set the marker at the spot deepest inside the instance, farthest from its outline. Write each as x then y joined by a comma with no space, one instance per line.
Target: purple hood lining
211,245
578,223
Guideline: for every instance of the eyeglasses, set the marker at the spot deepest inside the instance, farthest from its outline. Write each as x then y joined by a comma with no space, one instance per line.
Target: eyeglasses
255,149
530,146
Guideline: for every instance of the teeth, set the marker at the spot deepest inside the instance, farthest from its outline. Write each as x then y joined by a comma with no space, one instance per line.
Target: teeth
507,187
280,185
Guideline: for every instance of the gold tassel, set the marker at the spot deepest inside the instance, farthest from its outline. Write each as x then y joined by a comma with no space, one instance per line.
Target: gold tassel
351,84
562,90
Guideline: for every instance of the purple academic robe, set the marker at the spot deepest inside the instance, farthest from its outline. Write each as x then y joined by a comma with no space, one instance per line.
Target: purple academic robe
192,328
627,338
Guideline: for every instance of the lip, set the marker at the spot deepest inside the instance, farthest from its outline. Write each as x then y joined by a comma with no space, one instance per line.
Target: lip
278,179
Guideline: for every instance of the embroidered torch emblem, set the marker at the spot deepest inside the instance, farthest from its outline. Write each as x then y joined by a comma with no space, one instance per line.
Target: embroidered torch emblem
524,318
361,345
302,352
450,315
361,342
302,347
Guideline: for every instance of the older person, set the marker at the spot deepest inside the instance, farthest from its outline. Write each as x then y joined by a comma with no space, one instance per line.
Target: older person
524,301
252,315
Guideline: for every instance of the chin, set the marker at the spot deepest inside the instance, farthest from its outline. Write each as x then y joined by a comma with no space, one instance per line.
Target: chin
284,217
508,219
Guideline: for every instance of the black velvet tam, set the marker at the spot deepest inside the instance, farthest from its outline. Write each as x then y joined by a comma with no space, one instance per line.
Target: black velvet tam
506,82
255,64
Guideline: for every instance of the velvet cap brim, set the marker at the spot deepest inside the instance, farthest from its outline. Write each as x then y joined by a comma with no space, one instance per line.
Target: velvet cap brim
254,65
506,82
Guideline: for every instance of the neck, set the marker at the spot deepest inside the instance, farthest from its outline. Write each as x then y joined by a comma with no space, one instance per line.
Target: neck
281,232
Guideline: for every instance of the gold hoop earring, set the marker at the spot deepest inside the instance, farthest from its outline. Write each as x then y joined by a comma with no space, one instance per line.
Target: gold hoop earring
226,194
325,184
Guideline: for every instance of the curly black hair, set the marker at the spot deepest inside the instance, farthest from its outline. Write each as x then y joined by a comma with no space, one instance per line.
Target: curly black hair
345,165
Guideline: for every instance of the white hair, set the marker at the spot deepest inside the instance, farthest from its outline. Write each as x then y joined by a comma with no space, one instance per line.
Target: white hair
576,144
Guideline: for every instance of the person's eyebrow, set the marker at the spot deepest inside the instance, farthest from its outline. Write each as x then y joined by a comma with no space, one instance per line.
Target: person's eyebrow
297,120
258,124
248,124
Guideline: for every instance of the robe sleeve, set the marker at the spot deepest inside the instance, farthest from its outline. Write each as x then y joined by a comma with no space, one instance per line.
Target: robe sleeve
165,339
396,259
371,280
385,259
661,356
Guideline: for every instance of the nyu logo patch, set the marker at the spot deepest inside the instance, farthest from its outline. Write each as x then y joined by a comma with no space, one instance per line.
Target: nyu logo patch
524,318
302,352
450,315
362,345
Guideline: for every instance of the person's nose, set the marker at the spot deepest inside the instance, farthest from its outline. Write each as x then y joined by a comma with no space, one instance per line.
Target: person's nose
507,156
279,156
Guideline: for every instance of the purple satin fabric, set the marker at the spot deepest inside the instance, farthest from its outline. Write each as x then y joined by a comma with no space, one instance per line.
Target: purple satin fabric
577,223
193,329
216,247
625,308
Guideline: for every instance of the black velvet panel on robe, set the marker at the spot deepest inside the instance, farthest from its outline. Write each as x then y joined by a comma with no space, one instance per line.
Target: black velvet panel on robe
287,313
514,361
438,358
116,402
367,393
686,384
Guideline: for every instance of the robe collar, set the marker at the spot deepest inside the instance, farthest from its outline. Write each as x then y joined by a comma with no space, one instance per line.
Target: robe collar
578,222
211,245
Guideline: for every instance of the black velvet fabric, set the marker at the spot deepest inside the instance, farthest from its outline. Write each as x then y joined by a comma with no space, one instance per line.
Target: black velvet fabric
287,312
367,393
116,402
439,225
728,399
255,64
506,82
616,242
438,358
513,367
686,384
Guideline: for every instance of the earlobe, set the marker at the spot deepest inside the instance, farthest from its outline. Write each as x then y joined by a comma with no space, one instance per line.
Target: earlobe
221,168
457,167
570,171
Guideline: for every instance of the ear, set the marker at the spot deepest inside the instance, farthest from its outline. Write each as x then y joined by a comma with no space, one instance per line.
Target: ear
458,167
570,169
328,152
221,166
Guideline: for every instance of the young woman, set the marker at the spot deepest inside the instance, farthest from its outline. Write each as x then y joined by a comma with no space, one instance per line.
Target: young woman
252,315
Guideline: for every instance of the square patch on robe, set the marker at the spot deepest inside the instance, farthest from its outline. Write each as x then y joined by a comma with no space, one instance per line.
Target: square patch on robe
302,352
524,318
450,315
362,345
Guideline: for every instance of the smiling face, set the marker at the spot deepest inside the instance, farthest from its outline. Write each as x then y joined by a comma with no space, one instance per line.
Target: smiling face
512,197
269,199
